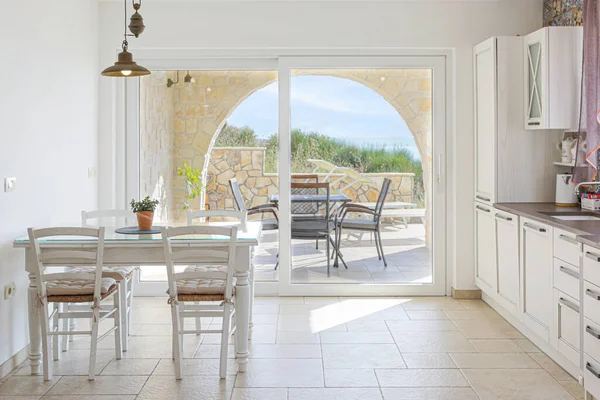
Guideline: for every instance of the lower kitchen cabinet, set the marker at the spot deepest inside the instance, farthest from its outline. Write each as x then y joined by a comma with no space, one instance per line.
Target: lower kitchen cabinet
537,265
485,248
566,337
508,275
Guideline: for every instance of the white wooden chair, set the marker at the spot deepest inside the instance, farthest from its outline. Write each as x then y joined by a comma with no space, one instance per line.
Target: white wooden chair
201,286
125,276
204,217
71,287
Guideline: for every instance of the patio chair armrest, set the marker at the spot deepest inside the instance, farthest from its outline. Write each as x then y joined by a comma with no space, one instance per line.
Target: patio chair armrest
264,210
356,206
365,210
263,206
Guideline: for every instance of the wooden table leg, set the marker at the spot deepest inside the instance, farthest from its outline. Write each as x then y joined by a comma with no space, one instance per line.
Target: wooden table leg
242,306
35,331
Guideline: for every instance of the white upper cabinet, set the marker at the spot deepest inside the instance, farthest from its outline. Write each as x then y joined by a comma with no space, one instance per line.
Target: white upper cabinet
552,62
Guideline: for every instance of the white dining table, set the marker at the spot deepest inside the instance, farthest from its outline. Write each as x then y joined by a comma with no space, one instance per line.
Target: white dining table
147,250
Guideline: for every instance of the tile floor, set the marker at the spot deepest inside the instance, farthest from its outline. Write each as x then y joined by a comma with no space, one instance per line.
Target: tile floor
318,349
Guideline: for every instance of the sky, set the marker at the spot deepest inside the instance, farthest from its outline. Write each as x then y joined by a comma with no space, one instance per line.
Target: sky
337,107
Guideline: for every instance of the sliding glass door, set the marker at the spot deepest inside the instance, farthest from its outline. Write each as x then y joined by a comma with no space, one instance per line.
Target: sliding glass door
320,138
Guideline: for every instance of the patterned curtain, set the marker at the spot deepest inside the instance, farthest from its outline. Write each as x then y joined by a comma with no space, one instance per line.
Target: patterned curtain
586,162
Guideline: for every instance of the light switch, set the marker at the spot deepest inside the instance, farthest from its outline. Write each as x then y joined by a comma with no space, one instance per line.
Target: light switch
92,172
10,184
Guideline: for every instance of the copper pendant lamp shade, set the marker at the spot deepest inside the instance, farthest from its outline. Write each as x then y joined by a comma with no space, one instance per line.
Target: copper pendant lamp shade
125,67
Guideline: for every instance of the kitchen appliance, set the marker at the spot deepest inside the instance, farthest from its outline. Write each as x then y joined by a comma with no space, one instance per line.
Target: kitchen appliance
565,191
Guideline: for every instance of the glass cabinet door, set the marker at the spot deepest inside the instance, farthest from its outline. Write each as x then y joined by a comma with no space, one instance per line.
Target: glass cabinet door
534,82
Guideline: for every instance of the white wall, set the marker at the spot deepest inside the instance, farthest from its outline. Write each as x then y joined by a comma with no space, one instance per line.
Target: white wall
409,24
48,133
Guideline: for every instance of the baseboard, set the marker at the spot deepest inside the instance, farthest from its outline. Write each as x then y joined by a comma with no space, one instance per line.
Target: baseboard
14,362
461,294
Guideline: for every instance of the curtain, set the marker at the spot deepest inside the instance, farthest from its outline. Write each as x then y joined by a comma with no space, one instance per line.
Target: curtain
586,161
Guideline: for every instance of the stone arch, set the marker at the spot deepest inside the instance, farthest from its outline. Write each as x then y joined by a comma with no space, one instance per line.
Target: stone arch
198,112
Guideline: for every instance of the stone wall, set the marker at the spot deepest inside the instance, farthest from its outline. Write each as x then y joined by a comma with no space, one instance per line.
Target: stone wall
246,164
563,12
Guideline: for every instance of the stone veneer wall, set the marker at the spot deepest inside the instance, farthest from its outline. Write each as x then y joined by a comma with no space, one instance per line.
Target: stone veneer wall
563,12
246,164
180,124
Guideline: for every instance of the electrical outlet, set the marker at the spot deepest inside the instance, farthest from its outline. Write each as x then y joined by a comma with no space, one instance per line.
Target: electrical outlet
10,184
9,290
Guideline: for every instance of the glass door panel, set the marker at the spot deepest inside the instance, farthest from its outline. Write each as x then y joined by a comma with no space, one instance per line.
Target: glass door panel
355,128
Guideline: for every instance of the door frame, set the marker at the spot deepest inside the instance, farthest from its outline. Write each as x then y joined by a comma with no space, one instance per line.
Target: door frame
126,148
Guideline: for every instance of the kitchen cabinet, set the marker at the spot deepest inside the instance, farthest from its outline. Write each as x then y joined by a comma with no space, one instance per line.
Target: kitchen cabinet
507,261
536,265
552,69
485,248
566,334
507,157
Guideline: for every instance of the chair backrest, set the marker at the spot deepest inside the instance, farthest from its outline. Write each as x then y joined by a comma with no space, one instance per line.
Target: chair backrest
67,257
316,188
116,218
385,187
203,215
238,197
304,207
185,255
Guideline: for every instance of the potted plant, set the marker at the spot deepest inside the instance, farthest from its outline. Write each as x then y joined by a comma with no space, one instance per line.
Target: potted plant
144,210
193,183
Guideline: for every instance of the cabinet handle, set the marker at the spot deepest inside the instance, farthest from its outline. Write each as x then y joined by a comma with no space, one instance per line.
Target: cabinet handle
439,177
592,332
533,123
535,228
483,198
593,295
589,367
487,210
568,304
500,216
568,239
568,272
592,256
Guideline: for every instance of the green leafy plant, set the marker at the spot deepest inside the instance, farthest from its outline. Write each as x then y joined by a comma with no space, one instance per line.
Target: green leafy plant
193,183
146,204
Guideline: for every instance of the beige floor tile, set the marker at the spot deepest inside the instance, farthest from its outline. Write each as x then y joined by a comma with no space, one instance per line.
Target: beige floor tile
522,384
195,366
27,385
265,318
87,397
297,338
334,394
350,378
309,323
107,385
361,356
259,394
527,346
26,397
134,366
421,326
190,387
551,367
282,373
160,346
475,304
483,313
429,394
76,362
432,303
212,351
574,388
321,300
278,300
426,315
356,337
432,342
496,346
494,360
420,378
285,351
265,309
487,329
428,360
360,325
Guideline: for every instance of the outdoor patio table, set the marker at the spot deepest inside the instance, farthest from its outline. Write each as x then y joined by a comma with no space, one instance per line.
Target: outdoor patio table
147,250
315,198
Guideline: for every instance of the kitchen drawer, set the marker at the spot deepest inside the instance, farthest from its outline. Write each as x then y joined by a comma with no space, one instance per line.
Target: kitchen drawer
591,264
567,326
591,338
591,301
566,247
591,376
566,278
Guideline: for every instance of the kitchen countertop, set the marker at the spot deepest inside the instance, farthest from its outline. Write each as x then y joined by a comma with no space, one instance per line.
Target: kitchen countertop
588,232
